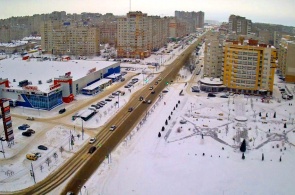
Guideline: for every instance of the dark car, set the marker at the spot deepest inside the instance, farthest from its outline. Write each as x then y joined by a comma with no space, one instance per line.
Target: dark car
27,134
108,100
140,98
211,95
22,127
31,131
61,111
153,92
130,109
42,147
92,149
224,96
26,125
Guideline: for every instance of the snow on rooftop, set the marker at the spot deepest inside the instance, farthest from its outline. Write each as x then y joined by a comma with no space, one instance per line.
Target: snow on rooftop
33,70
13,44
96,84
37,38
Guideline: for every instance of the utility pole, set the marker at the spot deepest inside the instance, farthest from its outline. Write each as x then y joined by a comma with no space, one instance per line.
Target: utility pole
32,173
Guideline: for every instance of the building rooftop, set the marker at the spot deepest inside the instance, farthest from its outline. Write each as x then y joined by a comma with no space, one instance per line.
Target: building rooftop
13,44
33,70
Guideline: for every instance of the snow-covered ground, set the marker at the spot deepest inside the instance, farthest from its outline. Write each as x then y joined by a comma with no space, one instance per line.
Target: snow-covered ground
15,168
178,162
181,162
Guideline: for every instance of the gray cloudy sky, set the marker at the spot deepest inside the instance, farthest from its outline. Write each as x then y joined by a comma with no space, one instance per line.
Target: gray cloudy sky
266,11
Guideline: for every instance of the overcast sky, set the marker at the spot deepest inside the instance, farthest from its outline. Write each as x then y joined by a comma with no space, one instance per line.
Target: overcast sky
266,11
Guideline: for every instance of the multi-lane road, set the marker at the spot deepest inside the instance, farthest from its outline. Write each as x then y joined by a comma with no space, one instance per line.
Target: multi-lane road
78,169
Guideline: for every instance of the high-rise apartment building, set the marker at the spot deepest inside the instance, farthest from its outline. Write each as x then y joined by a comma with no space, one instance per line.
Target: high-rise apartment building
70,39
286,58
194,19
138,34
213,54
239,25
249,68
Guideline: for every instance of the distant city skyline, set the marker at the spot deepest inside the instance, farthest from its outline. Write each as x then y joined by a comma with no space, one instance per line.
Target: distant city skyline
263,11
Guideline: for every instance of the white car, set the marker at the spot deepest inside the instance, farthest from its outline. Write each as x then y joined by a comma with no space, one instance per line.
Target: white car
92,140
113,127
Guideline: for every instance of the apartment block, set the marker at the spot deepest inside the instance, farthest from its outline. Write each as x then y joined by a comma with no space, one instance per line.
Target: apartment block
177,28
70,39
193,19
213,54
239,25
138,34
249,67
286,58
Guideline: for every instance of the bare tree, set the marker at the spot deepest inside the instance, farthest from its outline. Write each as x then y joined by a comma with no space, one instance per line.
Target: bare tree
48,161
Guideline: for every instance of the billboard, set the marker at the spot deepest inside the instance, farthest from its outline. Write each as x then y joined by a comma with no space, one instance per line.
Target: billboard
6,118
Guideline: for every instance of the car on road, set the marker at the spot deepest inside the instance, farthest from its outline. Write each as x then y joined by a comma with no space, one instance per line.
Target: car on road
153,92
149,101
151,88
91,150
211,95
160,79
31,131
61,111
113,127
95,106
130,109
27,134
140,98
92,140
156,83
42,147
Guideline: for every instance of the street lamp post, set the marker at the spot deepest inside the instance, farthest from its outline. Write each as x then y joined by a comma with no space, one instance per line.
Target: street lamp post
2,139
142,76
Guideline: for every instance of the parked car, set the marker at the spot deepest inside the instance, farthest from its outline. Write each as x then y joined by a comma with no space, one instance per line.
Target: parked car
127,86
130,109
149,101
22,127
27,134
31,157
91,150
159,79
111,96
70,193
108,100
113,127
42,147
182,121
153,92
26,125
156,83
140,98
92,140
224,96
151,88
61,111
211,95
31,131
